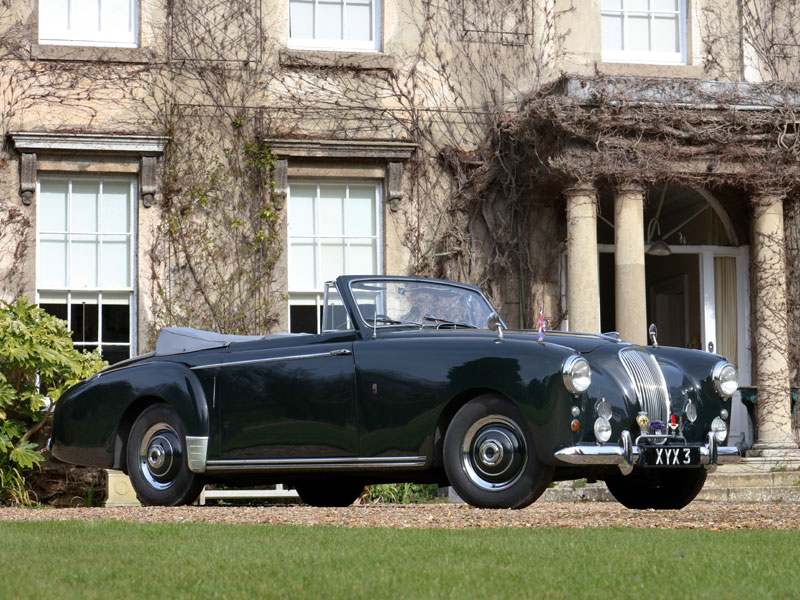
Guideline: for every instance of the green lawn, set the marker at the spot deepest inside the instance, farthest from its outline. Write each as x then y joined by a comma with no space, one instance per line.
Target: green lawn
108,559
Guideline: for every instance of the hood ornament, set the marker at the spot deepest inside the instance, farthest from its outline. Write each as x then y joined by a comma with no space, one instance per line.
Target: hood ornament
652,332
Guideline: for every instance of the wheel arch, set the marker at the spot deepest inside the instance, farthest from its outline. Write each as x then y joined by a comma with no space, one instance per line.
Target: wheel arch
172,384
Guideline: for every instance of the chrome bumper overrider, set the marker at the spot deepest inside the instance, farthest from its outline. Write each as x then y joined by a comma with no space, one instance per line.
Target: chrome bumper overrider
626,455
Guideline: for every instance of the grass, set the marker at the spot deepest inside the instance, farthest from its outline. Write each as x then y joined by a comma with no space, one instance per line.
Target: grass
101,559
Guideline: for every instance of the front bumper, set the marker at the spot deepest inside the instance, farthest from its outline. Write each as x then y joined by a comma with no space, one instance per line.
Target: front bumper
626,455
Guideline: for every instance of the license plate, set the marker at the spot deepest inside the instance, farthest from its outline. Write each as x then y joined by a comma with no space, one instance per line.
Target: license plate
671,456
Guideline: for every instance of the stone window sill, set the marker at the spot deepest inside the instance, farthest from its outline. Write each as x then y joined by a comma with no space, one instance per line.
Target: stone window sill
89,53
361,61
649,70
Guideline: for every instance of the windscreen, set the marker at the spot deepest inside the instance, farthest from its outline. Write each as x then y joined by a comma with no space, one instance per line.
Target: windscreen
390,303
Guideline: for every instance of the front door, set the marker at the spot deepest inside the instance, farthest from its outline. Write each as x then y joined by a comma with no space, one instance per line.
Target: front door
291,402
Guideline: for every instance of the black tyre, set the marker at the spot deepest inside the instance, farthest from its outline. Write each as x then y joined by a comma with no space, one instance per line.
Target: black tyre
156,458
490,458
329,492
665,489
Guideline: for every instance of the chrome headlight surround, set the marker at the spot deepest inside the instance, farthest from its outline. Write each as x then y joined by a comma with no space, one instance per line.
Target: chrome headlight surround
726,379
577,374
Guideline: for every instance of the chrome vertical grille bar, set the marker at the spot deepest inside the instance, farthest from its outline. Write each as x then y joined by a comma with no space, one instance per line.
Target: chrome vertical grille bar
648,380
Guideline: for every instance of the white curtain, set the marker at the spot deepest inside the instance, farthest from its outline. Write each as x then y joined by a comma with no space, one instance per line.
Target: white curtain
726,313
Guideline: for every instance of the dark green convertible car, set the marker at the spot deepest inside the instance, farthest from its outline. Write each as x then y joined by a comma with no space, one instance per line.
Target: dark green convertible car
411,380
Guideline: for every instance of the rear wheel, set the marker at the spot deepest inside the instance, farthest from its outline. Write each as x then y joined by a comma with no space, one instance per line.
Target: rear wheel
665,489
156,459
329,492
490,458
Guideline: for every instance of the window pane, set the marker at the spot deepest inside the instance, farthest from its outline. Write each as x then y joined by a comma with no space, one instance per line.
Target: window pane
116,206
359,22
666,35
638,34
331,209
115,16
52,261
301,19
53,206
362,258
84,206
329,21
301,266
301,209
612,4
53,18
84,15
116,262
303,319
637,5
612,33
83,261
84,322
115,354
362,210
670,5
116,323
332,258
57,310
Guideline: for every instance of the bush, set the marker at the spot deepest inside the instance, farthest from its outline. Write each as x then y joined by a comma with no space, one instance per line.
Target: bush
400,493
37,364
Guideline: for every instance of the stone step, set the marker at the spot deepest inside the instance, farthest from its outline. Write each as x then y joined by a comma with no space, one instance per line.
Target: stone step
725,479
739,488
777,493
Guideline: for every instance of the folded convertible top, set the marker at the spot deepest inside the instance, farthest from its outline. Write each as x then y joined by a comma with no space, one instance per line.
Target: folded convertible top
174,340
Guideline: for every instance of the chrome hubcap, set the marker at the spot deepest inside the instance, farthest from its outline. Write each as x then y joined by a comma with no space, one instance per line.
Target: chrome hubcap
493,453
160,455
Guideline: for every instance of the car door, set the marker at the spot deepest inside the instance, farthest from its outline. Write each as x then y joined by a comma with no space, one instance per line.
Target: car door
290,402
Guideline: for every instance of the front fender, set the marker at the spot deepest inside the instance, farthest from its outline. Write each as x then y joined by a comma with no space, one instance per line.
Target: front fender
89,415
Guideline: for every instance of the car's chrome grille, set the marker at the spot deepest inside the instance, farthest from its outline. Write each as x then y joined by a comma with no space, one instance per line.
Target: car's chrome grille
648,380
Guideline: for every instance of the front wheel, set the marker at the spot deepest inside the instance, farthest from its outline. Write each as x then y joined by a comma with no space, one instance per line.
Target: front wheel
156,459
664,489
490,458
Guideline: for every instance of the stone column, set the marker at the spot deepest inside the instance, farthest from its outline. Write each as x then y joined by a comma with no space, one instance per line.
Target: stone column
583,285
629,291
771,328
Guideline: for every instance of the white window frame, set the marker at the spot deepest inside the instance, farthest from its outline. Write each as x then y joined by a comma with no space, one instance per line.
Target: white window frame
647,57
314,43
74,36
130,290
315,297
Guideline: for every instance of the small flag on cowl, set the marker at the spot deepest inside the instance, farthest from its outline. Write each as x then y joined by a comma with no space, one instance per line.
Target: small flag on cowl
541,323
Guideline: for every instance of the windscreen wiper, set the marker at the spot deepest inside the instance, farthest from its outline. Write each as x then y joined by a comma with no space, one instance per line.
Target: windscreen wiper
439,322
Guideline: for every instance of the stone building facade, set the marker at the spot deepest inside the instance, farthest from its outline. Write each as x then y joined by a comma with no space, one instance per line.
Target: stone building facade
381,117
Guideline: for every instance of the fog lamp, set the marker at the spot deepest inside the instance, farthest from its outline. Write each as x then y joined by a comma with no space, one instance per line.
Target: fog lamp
602,430
690,411
720,429
604,410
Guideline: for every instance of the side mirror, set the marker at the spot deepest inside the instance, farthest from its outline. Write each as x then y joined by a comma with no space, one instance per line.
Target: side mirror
652,332
495,324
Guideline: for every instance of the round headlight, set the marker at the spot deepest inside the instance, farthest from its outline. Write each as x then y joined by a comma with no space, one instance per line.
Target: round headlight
720,429
725,379
690,411
577,374
602,430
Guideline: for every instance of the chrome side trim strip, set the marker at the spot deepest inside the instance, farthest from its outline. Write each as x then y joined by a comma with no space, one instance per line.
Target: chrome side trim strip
196,452
339,352
267,464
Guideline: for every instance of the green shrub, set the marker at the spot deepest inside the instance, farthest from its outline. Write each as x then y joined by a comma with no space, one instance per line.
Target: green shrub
37,364
400,493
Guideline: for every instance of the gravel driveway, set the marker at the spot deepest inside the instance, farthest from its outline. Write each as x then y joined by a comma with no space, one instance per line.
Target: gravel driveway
698,515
